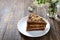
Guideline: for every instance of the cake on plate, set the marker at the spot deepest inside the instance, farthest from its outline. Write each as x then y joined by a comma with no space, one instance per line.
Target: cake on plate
35,22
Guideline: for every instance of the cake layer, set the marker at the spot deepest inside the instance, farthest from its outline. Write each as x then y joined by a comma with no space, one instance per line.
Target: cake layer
34,29
36,25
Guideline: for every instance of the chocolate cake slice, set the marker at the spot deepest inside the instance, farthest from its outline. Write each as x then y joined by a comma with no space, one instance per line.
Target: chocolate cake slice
35,22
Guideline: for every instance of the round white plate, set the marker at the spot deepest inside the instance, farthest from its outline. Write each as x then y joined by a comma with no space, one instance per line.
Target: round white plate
22,25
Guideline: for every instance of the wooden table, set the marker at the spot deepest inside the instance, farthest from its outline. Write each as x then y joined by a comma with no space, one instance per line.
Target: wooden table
11,11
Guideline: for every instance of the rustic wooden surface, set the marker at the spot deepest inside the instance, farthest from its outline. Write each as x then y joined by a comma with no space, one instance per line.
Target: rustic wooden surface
11,11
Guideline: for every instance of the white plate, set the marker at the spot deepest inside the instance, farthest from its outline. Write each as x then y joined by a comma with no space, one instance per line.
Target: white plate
22,24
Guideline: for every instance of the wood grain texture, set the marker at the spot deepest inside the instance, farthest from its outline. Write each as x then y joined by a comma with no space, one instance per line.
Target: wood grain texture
11,11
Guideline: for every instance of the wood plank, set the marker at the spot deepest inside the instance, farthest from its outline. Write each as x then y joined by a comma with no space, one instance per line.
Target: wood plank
57,29
3,24
11,31
28,3
17,12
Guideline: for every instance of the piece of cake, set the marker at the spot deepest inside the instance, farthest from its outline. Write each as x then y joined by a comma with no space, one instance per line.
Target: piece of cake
35,22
